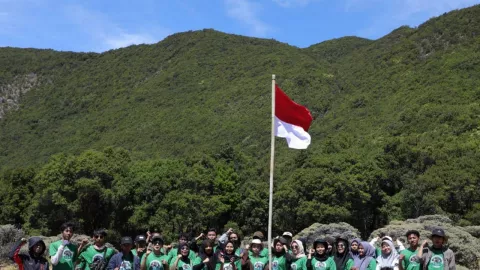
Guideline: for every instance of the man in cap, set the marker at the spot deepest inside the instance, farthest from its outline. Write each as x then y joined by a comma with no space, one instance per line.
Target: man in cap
438,256
140,246
124,260
156,260
288,236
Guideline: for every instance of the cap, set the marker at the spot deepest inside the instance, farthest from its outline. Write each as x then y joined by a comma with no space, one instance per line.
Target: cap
438,232
289,234
256,241
387,237
157,238
140,238
283,240
258,234
126,240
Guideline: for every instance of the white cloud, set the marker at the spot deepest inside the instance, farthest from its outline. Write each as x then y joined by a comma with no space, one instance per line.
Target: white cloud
291,3
106,33
246,12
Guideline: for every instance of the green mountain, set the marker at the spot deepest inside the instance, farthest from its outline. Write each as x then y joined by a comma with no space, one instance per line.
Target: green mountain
395,131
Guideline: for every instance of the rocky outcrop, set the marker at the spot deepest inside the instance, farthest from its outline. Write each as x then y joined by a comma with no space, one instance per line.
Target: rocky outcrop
10,93
317,231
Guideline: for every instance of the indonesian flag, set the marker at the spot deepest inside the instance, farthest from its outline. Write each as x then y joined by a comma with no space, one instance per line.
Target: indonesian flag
292,121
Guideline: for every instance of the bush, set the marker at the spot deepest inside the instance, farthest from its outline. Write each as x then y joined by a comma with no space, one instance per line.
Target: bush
8,236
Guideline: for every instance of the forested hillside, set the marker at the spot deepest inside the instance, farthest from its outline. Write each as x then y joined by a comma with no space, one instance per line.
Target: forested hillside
176,135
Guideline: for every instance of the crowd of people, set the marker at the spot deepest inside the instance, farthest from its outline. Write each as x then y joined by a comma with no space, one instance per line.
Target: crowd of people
206,252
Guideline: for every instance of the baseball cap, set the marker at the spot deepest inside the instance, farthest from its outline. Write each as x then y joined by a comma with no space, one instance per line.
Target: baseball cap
438,232
289,234
140,238
256,241
258,234
126,240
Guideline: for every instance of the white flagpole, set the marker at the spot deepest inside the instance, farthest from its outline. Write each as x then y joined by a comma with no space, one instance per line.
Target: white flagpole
272,155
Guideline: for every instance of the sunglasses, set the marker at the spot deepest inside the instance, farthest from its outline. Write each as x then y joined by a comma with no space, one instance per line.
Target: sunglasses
184,248
157,243
295,247
341,245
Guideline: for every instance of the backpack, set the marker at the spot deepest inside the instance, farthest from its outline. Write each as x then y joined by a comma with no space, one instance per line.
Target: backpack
100,264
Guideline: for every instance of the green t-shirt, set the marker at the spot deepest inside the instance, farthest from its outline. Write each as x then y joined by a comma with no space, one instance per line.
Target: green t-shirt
69,255
174,253
372,265
411,260
279,263
128,262
436,261
154,262
134,251
228,265
259,262
299,264
263,252
183,265
328,264
90,254
349,264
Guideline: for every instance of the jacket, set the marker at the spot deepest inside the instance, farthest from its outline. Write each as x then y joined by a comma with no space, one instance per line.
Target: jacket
448,259
29,261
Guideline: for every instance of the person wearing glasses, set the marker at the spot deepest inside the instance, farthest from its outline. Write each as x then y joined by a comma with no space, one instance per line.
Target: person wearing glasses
182,239
96,256
299,261
156,259
182,260
343,259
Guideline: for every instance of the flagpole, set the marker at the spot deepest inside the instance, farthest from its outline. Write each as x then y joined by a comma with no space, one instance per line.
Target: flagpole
272,155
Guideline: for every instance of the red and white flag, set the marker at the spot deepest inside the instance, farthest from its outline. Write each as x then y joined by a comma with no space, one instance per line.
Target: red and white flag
292,121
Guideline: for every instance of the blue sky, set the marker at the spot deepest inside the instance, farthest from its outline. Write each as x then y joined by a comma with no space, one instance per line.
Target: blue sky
100,25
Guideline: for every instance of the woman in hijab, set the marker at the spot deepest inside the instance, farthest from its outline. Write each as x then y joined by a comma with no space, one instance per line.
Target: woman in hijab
299,260
318,258
388,259
281,259
354,247
227,260
343,259
365,259
206,259
182,261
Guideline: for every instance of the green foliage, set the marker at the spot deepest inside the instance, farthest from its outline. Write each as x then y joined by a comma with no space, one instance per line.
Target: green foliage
395,132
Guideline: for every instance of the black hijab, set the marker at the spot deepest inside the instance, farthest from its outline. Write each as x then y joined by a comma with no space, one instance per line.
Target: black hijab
341,259
323,257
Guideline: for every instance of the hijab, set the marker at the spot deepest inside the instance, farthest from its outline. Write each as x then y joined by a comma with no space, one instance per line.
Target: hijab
341,259
354,254
320,257
388,260
301,250
362,262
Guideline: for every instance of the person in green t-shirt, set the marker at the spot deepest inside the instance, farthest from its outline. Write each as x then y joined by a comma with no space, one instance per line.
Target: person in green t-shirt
227,259
342,258
182,239
438,256
63,253
182,260
318,258
299,260
140,246
155,259
96,255
263,251
408,258
281,258
206,259
255,260
365,259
